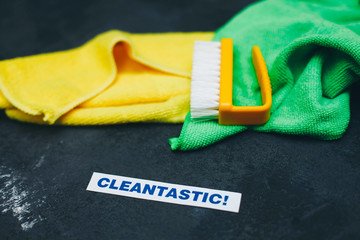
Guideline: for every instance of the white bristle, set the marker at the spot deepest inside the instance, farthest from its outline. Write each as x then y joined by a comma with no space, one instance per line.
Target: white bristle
205,81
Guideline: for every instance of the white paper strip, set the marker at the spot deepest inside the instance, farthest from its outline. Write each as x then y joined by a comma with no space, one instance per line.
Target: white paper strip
165,192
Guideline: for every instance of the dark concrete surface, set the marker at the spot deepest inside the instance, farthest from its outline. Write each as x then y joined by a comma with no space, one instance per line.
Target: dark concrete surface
293,187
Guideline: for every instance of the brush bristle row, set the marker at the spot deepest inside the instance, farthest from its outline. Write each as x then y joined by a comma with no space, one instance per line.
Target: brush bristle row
205,81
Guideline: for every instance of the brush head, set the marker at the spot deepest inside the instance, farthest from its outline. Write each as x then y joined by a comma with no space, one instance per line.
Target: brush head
205,81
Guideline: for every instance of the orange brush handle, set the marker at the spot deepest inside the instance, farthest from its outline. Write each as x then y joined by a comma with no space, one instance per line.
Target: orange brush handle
242,115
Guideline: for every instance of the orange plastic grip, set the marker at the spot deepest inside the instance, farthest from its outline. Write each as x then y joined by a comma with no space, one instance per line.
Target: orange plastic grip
242,115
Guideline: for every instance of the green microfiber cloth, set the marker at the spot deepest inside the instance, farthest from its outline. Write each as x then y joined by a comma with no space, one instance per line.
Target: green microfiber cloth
312,51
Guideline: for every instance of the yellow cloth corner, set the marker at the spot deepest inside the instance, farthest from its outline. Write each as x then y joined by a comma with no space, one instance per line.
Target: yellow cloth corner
117,77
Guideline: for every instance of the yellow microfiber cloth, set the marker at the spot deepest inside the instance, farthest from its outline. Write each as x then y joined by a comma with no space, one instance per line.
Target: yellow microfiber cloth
117,77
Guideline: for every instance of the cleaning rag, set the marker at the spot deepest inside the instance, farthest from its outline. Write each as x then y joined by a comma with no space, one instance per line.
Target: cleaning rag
117,77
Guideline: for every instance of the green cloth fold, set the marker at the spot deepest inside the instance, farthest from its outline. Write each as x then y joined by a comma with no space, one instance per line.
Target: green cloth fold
312,51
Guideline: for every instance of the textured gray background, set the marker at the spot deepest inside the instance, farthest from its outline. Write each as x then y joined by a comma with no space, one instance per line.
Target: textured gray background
293,187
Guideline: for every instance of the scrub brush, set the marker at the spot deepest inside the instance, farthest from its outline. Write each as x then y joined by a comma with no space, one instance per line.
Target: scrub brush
212,84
